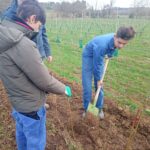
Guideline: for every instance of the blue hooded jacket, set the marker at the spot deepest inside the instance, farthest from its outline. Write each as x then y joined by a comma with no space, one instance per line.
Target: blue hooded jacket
41,40
97,48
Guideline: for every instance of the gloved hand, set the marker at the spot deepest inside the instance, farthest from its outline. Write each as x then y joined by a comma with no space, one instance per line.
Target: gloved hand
68,91
116,53
99,83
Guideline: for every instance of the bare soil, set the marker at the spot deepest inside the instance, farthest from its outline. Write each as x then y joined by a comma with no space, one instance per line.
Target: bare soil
67,130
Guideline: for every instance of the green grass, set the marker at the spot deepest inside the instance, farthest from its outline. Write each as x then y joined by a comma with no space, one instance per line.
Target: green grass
128,76
147,112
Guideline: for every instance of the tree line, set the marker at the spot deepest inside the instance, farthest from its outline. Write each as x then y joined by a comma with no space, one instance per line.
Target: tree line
80,8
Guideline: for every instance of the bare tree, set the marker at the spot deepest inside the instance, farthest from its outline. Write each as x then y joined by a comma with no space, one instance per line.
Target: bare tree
75,8
107,9
141,3
140,8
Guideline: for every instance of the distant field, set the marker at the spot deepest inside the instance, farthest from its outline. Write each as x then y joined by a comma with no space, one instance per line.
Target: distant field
128,77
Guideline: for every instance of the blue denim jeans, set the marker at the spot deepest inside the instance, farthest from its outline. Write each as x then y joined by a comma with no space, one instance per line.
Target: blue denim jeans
30,133
87,75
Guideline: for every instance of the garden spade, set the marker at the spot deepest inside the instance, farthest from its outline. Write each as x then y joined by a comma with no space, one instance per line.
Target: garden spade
92,107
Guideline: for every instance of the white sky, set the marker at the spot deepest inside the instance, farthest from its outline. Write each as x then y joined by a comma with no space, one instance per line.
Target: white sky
100,3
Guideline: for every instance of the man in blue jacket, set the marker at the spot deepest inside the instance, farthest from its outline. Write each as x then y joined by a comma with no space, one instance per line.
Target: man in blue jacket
93,62
41,40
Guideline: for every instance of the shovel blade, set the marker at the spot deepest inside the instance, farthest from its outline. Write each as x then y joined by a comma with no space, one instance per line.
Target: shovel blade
93,109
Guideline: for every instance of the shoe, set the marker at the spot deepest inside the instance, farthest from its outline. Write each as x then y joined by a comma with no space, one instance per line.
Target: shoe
101,114
46,106
84,114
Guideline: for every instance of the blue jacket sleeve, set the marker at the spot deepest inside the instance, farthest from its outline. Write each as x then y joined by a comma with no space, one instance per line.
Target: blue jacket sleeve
45,42
98,62
11,10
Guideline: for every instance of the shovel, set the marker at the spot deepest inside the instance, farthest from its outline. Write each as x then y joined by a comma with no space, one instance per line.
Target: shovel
92,107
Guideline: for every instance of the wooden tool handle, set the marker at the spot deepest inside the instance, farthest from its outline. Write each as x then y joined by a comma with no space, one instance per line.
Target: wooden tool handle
99,88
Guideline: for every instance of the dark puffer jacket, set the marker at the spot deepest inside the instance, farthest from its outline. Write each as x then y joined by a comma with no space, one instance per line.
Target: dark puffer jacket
24,76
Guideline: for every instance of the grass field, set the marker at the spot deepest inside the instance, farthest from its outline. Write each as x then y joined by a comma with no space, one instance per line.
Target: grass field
127,82
128,77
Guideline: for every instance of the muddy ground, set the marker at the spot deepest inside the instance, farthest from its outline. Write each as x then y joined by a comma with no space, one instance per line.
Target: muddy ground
67,130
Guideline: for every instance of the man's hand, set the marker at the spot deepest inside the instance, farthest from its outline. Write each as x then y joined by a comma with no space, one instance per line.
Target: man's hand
49,59
99,83
68,91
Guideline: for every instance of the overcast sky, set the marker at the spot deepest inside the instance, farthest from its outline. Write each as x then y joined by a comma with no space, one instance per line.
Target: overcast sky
118,3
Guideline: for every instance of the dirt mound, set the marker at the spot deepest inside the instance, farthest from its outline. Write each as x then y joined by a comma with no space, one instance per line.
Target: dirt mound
67,130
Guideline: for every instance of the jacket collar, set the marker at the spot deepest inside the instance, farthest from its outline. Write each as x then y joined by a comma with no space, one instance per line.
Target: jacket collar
111,45
19,24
